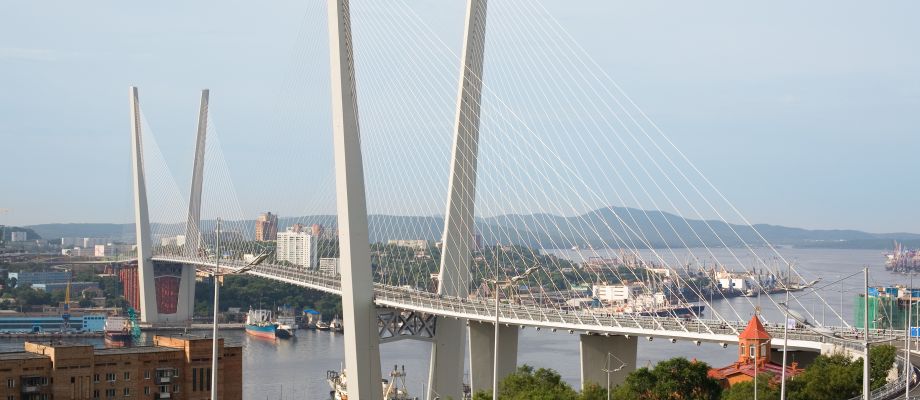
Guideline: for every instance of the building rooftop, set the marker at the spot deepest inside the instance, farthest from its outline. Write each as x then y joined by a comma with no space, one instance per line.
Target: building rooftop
20,355
135,350
755,330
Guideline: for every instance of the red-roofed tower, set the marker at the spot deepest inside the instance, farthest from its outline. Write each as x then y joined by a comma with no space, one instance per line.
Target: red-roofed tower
754,343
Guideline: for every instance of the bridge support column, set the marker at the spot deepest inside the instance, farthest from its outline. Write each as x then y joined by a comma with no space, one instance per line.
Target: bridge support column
362,345
482,351
146,285
594,358
186,307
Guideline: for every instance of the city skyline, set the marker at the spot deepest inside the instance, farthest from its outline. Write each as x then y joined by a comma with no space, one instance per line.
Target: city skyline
819,120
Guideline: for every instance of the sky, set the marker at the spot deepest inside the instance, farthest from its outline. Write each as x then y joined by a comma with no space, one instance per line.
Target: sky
801,113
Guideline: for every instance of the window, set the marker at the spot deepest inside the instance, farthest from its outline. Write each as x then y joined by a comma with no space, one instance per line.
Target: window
127,376
96,394
147,390
110,377
10,383
763,350
194,379
164,388
209,380
147,374
95,378
73,379
201,380
751,351
110,392
127,392
176,388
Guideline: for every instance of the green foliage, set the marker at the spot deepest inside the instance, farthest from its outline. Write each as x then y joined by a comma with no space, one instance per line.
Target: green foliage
829,378
881,360
766,389
593,392
527,383
675,379
840,377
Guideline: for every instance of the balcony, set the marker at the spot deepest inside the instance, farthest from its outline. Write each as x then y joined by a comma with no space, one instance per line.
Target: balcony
162,395
163,380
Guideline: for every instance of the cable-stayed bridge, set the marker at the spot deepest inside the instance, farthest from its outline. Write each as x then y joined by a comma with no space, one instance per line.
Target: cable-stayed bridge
577,144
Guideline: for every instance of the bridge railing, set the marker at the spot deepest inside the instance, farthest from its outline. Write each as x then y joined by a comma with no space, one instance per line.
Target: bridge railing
484,309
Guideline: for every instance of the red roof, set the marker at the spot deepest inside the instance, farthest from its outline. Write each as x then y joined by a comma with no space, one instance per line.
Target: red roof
755,330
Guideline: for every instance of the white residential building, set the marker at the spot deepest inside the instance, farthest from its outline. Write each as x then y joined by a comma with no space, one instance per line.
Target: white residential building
21,236
612,293
329,266
417,244
298,248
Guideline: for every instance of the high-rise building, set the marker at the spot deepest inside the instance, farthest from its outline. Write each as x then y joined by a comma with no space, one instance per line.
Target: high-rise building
266,227
298,248
317,230
20,236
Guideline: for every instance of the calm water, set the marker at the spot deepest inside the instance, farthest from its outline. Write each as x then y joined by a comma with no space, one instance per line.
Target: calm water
296,369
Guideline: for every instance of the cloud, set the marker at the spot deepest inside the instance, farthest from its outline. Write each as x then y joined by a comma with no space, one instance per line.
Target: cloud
28,54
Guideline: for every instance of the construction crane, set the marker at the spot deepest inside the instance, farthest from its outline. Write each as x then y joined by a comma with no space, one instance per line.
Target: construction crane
65,316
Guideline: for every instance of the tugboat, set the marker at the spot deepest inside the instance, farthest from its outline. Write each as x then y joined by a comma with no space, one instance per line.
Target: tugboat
393,388
285,327
258,323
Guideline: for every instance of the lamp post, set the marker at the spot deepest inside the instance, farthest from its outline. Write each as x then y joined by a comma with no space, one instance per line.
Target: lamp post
782,389
215,274
908,368
608,370
499,285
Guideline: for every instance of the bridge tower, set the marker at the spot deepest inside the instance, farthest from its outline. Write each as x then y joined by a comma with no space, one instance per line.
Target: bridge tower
362,344
446,368
145,282
186,304
147,270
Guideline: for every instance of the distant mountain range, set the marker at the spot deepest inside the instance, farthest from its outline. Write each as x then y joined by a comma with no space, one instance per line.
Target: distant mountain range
607,227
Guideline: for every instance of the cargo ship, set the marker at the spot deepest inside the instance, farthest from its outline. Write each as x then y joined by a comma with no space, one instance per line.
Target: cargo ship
902,260
259,324
118,332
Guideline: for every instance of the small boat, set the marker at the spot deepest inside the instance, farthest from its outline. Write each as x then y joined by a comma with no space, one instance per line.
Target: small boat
285,327
258,323
336,325
322,325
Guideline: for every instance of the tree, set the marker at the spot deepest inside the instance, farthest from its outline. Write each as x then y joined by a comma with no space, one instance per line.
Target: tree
828,378
677,378
766,389
593,392
881,360
527,383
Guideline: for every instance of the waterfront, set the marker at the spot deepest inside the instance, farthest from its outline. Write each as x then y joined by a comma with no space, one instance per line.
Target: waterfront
296,369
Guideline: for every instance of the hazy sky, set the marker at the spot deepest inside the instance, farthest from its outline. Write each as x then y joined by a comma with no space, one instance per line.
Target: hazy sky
802,113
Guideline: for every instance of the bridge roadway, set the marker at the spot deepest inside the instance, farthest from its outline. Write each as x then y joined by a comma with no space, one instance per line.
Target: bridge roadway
483,310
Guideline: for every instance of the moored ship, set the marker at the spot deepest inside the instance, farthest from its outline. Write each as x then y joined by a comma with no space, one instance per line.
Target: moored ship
118,332
259,324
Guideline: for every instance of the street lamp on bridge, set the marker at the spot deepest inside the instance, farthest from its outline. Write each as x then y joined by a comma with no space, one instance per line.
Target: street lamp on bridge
215,273
498,286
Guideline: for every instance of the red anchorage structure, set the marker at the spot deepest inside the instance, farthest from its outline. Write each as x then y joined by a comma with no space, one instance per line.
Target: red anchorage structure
129,284
166,283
